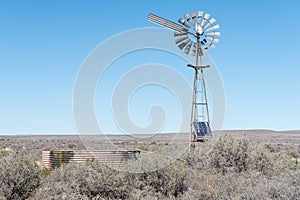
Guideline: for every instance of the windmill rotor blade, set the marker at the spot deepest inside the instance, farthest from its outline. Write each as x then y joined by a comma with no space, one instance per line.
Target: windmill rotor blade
203,45
212,46
213,20
200,16
176,34
194,17
214,34
204,49
194,47
183,44
206,16
187,17
166,23
185,23
208,43
188,47
215,27
178,40
209,38
210,23
205,20
215,40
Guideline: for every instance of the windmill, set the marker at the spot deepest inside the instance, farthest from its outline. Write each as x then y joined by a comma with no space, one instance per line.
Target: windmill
195,34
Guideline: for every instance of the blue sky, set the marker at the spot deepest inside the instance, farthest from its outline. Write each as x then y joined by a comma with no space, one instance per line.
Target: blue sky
43,44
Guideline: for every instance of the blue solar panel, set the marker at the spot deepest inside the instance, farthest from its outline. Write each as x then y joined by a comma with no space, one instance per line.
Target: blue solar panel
202,129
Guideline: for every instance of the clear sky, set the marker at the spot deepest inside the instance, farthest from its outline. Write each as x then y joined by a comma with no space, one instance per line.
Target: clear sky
43,44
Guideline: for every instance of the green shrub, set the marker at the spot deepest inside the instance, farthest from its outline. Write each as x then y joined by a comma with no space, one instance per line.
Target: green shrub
72,145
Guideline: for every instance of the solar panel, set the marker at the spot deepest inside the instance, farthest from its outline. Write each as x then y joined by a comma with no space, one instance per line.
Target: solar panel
202,129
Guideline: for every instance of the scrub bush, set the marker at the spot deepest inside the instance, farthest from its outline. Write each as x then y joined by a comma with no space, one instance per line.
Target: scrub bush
19,176
83,181
168,182
232,155
283,187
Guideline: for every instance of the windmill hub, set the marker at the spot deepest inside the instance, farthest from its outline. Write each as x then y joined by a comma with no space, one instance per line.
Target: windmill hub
199,30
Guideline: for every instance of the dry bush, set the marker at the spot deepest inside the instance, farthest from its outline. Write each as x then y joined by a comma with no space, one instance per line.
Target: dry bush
242,186
226,154
229,155
168,182
19,176
286,186
204,185
226,167
83,181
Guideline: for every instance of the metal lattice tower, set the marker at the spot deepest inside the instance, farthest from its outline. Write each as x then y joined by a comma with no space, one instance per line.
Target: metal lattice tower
195,35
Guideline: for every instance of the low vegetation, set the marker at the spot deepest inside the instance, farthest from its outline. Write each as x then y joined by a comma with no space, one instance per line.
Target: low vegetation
223,168
19,176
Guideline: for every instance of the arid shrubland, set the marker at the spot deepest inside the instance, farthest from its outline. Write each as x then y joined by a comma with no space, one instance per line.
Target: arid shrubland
225,167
